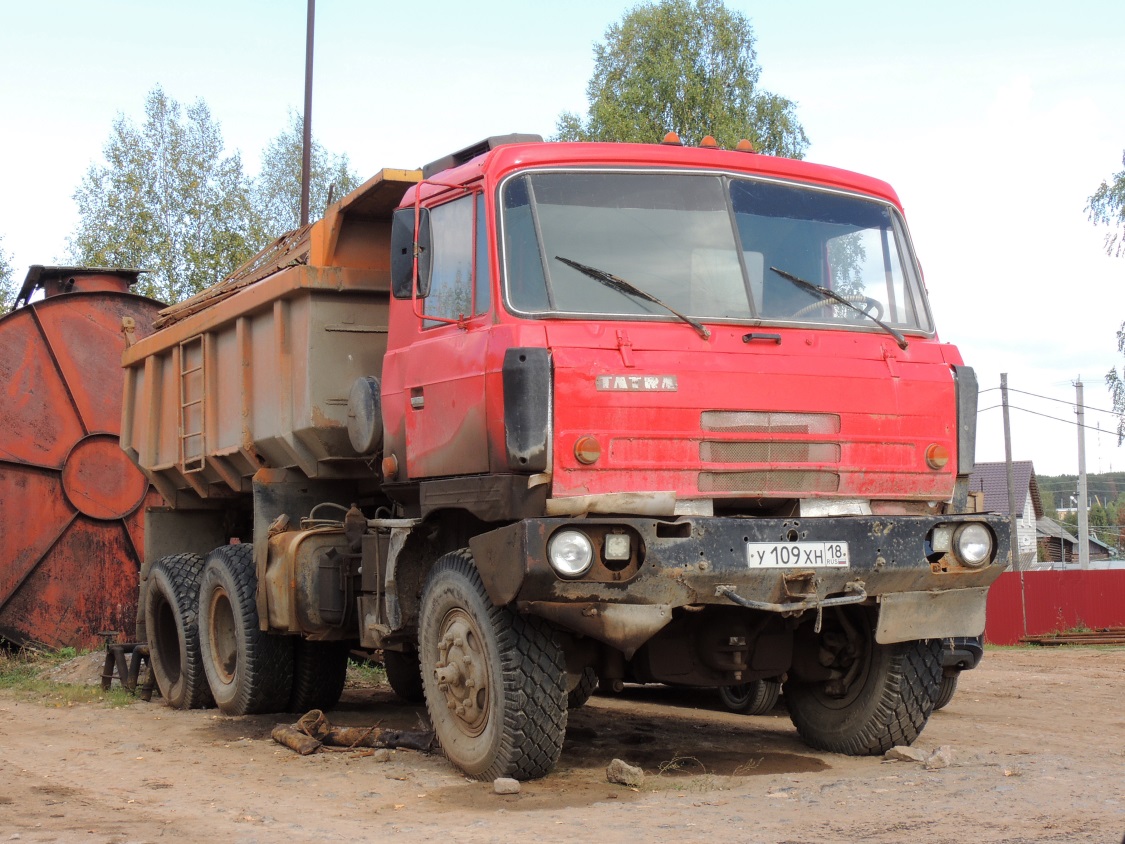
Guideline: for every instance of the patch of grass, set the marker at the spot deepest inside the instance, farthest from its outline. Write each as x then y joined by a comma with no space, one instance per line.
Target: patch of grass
365,674
22,673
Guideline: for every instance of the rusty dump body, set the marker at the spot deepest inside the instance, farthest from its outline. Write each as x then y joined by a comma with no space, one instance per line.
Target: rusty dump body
71,515
255,375
682,414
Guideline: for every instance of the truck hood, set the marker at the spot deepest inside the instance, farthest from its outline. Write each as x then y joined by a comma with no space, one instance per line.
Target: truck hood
752,412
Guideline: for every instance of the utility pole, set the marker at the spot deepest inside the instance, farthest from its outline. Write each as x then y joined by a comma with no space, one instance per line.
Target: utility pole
1017,563
1083,515
306,141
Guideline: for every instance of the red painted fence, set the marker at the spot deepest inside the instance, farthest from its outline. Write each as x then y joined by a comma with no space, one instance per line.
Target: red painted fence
1054,601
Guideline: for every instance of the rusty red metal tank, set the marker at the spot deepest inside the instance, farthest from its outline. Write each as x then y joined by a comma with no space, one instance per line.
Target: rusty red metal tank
71,514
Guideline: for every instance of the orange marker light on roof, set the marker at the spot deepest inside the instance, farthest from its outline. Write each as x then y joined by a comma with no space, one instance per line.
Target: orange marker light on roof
745,146
673,139
709,142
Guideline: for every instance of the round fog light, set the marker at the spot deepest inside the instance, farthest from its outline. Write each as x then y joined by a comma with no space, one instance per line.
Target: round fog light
972,543
570,553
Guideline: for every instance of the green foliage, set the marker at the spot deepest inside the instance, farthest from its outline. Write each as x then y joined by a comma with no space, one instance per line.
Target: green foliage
276,193
1107,207
167,200
1097,516
8,291
1047,499
1116,384
688,67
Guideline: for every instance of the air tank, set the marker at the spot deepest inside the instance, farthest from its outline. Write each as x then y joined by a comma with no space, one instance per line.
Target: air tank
71,501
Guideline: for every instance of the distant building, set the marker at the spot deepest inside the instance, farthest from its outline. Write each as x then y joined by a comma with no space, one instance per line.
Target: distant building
1057,545
992,480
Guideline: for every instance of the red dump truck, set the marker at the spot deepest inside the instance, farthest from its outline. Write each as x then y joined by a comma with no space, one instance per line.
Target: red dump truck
542,415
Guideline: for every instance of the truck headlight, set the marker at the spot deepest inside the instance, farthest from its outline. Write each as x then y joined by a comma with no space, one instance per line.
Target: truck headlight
570,553
972,543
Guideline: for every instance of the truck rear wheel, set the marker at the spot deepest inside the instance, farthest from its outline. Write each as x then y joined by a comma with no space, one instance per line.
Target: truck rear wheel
758,697
248,670
319,672
495,682
884,699
171,619
404,675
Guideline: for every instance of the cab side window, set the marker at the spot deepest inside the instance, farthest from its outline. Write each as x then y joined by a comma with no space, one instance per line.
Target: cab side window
459,269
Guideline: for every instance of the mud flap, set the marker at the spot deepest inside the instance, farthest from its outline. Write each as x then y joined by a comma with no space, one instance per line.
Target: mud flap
907,616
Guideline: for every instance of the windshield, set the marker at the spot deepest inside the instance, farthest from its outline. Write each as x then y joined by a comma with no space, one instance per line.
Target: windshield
704,245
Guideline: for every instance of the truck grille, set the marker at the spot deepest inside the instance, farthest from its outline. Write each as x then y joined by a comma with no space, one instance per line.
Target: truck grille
767,422
711,451
770,481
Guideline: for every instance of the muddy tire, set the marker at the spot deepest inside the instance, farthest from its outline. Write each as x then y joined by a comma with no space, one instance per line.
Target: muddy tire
404,675
580,686
946,691
171,612
248,671
758,697
495,682
319,672
887,702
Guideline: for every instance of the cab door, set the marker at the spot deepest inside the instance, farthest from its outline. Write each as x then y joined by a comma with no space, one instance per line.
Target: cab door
443,370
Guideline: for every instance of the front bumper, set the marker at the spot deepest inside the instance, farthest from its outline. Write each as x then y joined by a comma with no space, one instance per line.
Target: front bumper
702,561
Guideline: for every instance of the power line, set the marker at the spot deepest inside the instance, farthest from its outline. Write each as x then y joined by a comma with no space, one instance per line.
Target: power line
1060,401
1095,428
1046,398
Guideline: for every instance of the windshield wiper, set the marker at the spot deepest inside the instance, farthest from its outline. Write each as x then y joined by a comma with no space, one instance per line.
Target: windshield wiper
831,294
622,286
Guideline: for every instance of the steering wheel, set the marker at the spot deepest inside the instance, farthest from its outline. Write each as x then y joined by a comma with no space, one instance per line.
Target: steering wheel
870,307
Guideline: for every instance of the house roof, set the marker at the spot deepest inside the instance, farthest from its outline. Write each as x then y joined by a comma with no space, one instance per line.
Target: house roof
992,479
1051,528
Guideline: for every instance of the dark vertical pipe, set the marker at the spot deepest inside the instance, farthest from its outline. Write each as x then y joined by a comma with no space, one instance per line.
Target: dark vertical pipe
306,142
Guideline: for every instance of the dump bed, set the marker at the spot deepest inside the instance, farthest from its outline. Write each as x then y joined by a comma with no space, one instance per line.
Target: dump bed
256,371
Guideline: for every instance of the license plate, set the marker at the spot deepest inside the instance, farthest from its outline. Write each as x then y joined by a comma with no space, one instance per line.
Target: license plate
781,555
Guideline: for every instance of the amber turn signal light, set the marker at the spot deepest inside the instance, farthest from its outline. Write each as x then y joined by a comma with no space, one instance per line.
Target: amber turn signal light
937,456
587,450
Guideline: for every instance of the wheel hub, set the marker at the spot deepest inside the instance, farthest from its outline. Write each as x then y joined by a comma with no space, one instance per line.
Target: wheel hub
461,672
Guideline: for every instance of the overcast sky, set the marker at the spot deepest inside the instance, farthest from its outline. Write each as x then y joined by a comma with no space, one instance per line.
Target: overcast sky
994,122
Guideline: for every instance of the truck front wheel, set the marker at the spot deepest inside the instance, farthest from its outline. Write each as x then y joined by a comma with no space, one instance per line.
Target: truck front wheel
404,675
494,681
758,697
248,670
947,690
882,696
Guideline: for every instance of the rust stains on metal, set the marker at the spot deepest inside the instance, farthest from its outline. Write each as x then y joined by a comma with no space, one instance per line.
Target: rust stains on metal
70,499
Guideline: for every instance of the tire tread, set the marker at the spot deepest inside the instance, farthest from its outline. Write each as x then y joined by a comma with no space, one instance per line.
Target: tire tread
180,574
533,699
264,673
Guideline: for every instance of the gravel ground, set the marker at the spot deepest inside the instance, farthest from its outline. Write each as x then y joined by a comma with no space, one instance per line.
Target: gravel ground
1036,737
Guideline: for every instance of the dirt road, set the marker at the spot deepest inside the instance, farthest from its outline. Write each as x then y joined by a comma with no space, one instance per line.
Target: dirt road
1038,738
